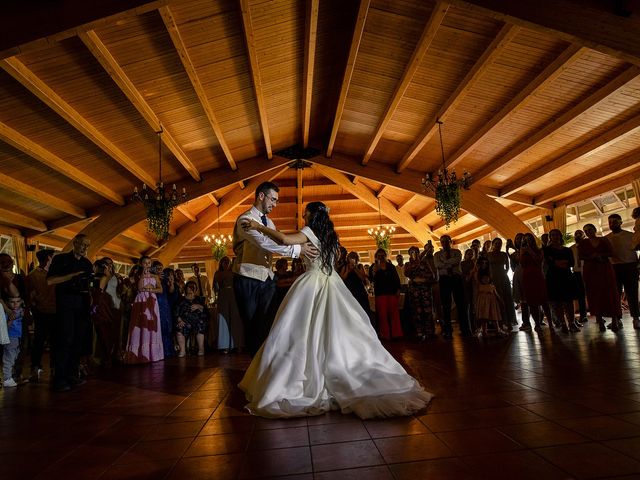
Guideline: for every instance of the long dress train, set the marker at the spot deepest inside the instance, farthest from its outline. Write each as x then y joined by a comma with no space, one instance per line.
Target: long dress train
323,354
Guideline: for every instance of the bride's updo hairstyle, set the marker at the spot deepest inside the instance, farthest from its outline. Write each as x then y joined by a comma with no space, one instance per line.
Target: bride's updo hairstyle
322,226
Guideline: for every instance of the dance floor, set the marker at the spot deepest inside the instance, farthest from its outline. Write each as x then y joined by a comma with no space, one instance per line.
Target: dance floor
529,406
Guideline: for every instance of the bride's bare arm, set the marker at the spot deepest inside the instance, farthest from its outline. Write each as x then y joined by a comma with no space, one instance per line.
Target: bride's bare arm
282,238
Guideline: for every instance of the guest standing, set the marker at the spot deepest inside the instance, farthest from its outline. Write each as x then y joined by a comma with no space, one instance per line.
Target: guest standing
356,280
561,286
421,277
230,329
145,334
499,268
386,287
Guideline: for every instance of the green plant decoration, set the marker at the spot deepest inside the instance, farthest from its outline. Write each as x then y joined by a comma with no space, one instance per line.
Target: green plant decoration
448,202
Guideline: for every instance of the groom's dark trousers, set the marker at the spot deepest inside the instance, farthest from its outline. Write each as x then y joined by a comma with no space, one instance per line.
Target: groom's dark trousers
253,298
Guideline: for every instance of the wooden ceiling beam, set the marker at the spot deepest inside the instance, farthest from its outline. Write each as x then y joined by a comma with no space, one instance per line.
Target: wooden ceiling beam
115,220
184,210
617,167
40,196
389,210
570,115
608,27
474,201
252,52
115,71
504,37
428,34
595,145
37,152
211,215
13,218
310,41
607,186
181,48
404,205
213,199
542,80
140,237
299,204
20,72
356,39
381,191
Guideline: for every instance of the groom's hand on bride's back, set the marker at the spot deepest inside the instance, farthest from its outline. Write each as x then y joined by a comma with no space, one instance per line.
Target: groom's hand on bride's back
309,251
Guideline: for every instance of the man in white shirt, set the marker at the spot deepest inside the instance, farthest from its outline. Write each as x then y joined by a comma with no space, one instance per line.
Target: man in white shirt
253,280
625,265
447,261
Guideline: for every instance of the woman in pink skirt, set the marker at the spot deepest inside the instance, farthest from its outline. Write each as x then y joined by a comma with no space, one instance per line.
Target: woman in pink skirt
145,338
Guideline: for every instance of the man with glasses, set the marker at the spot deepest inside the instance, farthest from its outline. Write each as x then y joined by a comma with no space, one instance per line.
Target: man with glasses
71,273
253,281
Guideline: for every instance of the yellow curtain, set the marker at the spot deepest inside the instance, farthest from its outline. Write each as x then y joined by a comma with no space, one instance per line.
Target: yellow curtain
636,190
560,218
20,251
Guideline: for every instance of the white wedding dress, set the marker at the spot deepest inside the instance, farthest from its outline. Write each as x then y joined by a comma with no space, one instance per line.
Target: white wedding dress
323,354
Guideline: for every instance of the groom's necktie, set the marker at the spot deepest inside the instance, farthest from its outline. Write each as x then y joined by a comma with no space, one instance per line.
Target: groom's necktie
264,220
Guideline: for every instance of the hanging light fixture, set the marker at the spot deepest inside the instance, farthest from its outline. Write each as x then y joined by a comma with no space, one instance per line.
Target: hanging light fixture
382,234
446,186
159,203
219,242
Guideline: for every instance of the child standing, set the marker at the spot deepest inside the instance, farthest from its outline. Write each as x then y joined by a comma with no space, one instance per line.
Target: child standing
488,303
12,349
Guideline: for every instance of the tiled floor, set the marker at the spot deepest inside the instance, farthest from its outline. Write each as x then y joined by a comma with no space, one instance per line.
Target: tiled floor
530,406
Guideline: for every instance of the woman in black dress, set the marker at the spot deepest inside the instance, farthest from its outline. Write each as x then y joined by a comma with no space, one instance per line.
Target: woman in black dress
561,287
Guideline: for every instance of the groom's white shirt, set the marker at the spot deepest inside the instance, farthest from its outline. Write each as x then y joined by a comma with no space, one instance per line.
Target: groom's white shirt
254,250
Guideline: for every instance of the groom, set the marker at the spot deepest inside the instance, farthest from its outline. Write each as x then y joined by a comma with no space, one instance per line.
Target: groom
253,280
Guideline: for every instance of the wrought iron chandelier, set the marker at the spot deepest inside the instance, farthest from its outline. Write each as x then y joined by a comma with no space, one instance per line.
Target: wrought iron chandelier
382,234
446,186
159,203
219,242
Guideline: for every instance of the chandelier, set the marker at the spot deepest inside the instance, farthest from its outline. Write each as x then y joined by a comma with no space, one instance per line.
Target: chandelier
381,234
446,186
159,203
219,242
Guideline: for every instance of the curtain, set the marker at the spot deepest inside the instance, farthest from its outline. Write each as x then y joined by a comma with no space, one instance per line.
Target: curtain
560,218
636,190
211,267
20,251
547,221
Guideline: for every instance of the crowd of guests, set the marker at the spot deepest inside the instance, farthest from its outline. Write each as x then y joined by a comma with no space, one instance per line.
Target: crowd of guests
542,278
88,313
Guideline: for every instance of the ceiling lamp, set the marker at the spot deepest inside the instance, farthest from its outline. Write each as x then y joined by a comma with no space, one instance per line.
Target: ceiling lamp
382,234
219,242
159,203
446,186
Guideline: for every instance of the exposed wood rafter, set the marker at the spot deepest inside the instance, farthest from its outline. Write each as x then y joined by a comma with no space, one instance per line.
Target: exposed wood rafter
358,31
504,37
115,71
299,205
252,51
181,48
310,41
14,218
428,34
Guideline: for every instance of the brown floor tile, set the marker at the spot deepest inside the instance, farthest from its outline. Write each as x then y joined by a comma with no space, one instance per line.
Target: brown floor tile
209,467
228,425
165,431
337,432
394,427
189,415
412,448
473,442
139,471
368,473
521,465
558,409
278,462
443,422
270,423
82,471
332,417
279,438
601,428
441,468
628,446
590,460
541,434
336,456
218,444
155,450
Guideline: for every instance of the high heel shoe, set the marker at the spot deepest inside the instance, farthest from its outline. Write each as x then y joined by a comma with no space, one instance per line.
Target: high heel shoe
573,328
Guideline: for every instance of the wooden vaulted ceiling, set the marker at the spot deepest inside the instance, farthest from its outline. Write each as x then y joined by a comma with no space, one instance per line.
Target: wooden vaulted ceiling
540,102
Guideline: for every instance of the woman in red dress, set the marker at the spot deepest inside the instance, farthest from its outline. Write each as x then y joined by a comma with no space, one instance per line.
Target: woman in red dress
599,278
534,286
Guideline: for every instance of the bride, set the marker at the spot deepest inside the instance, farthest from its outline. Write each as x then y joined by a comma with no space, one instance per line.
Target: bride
322,352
